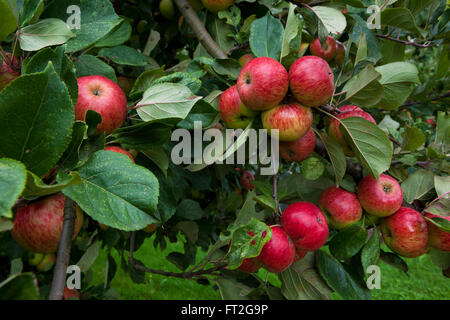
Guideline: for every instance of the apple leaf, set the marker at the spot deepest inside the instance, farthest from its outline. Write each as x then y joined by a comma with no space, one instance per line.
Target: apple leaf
124,55
301,281
440,258
220,32
266,37
36,118
442,139
399,18
337,157
442,185
441,223
22,286
13,175
339,280
98,19
89,256
364,89
71,156
30,12
333,19
45,33
189,209
312,168
413,138
370,144
144,81
394,260
88,65
117,37
291,31
35,187
159,157
123,199
231,289
370,253
8,22
348,242
417,185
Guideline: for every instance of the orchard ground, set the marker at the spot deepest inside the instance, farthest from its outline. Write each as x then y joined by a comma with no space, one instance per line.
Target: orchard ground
425,280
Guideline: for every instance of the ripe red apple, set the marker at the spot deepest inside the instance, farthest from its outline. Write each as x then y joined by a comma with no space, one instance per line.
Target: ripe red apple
217,5
246,177
380,198
340,53
278,253
37,226
300,149
292,120
306,225
250,265
9,70
71,293
104,96
327,52
119,150
405,232
334,130
233,111
311,81
47,262
262,83
437,238
246,58
341,207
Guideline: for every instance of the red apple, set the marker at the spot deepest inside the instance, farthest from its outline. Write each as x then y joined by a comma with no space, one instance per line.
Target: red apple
233,111
250,265
37,226
405,232
71,293
306,225
327,52
246,177
300,149
341,207
292,120
217,5
334,130
262,83
380,198
437,238
311,81
299,254
9,70
340,53
119,150
246,58
104,96
278,253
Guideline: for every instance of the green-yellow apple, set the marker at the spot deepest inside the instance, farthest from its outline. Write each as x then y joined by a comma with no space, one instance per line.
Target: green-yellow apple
311,81
300,149
437,238
334,130
341,207
278,253
292,120
35,258
104,96
119,150
47,262
380,198
9,70
306,225
405,232
37,226
245,58
215,6
327,51
167,9
233,111
262,83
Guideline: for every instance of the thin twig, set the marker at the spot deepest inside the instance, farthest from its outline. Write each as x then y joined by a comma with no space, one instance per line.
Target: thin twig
407,43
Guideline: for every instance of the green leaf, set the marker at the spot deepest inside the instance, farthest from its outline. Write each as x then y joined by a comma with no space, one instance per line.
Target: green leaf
441,185
220,32
371,251
266,37
266,201
71,156
122,199
394,260
166,100
388,123
399,18
35,187
442,139
364,89
417,185
145,79
12,182
21,286
291,31
232,16
230,289
369,143
301,281
8,23
312,168
124,55
227,67
36,118
117,37
88,65
6,224
360,27
361,54
159,157
247,241
337,157
89,256
413,138
441,223
45,33
203,112
440,258
64,67
98,19
333,19
348,242
30,11
189,209
338,279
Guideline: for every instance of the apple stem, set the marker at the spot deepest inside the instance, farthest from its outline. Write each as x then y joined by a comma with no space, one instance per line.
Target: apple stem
63,255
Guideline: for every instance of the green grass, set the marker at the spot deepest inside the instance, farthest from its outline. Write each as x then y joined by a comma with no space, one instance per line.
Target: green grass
425,280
